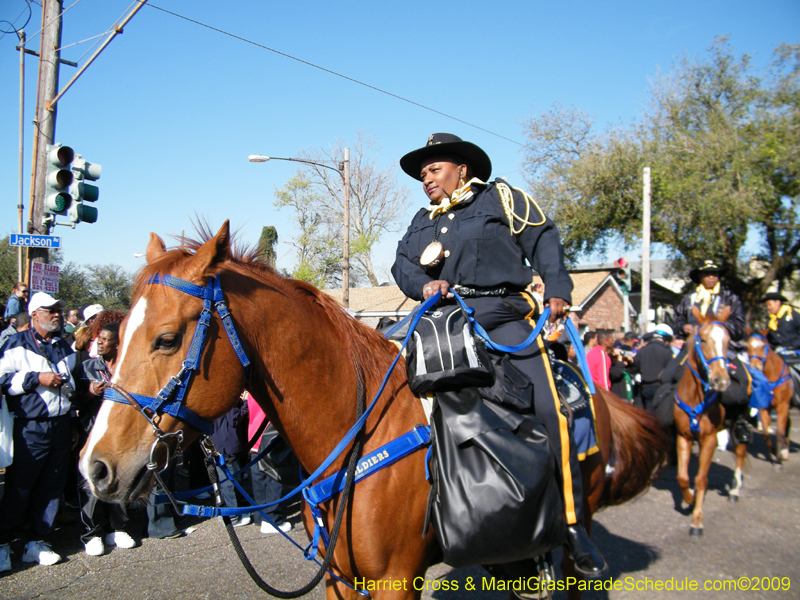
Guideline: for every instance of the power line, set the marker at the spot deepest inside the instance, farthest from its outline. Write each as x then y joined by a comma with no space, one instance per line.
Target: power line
305,62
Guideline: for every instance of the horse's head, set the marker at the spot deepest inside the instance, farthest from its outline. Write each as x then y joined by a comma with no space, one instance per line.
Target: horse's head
156,344
711,346
757,351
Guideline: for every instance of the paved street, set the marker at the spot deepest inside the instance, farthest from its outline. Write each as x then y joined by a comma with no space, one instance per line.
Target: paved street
757,537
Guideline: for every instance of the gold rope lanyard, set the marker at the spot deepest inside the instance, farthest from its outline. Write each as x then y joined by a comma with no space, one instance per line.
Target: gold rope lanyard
506,198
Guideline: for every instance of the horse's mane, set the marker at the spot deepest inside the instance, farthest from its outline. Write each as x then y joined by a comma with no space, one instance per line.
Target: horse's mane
361,343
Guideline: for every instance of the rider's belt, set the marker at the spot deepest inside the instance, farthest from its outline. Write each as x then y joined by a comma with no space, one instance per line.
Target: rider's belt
470,292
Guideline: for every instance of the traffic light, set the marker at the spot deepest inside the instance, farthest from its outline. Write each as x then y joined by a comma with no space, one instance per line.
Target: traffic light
81,192
622,273
58,179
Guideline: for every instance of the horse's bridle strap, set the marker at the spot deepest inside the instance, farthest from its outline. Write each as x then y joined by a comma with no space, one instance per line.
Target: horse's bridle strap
169,399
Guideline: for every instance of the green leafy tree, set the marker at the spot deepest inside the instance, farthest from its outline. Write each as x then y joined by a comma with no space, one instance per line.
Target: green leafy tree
266,245
721,143
111,285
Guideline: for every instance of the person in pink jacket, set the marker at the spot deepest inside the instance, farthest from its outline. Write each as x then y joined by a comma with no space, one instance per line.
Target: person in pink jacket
599,360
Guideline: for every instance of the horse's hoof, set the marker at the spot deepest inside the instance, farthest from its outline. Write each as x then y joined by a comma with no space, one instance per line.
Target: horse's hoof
733,498
695,532
778,467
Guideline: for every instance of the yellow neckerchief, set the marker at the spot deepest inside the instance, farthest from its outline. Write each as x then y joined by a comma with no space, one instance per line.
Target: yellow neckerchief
465,193
782,312
705,296
460,195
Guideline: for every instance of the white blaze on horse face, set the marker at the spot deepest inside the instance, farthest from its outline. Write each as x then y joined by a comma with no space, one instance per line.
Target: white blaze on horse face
135,319
718,337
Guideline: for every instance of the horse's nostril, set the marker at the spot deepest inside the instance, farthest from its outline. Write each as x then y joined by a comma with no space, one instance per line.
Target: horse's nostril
100,475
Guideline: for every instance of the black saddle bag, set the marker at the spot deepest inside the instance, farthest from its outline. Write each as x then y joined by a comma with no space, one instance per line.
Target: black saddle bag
494,498
444,354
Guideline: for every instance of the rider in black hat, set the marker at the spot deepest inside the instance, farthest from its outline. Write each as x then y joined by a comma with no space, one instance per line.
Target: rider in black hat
783,330
475,237
709,296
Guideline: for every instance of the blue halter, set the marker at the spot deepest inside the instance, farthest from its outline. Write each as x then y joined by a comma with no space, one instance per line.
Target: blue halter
709,396
784,376
170,399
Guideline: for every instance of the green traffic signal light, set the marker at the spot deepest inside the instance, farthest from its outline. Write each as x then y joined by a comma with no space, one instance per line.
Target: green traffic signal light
58,179
84,192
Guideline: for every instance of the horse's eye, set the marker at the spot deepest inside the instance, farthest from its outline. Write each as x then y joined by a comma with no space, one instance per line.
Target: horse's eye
167,342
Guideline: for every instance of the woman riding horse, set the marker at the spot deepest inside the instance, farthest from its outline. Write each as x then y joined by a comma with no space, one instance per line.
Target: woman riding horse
474,238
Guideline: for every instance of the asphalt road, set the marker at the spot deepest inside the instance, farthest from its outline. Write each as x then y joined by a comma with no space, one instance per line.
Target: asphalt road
644,540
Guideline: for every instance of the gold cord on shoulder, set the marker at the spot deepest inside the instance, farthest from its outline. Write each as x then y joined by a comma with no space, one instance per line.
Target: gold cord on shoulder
507,198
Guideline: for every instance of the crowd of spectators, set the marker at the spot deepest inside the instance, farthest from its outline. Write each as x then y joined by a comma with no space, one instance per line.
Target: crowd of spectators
54,367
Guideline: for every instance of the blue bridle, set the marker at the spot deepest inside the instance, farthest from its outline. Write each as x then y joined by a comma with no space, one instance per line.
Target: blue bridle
170,399
709,396
784,376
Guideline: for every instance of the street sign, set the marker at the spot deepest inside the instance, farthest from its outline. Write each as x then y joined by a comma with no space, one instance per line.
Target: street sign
34,241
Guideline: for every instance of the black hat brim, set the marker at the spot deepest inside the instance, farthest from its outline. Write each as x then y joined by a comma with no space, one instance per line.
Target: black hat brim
471,154
696,274
774,296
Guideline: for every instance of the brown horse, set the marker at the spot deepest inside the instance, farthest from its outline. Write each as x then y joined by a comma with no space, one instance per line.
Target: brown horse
698,412
307,357
777,371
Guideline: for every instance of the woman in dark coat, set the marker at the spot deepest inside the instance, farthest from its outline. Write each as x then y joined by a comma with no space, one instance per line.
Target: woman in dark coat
475,237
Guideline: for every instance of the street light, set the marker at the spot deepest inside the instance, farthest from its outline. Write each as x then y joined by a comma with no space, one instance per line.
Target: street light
344,173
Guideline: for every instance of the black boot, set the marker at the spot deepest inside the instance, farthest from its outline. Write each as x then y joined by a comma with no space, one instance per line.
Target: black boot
588,560
741,432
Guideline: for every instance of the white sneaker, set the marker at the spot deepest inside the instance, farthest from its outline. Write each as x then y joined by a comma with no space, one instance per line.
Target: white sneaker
41,552
242,521
95,547
120,539
267,527
5,557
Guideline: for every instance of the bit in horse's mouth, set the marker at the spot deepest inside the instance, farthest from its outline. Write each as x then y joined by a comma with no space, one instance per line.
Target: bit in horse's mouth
140,485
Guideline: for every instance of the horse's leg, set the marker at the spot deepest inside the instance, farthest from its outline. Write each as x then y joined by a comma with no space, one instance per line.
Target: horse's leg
684,454
766,419
708,443
782,433
741,452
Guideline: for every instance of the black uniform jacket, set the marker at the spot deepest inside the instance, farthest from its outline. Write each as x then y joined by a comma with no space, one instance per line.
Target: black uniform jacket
735,323
788,333
651,360
480,251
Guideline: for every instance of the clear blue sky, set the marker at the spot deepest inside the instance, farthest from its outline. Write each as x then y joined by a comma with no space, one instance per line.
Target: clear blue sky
171,110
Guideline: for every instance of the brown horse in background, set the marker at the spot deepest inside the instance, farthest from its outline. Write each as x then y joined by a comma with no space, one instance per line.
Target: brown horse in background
766,360
698,390
307,359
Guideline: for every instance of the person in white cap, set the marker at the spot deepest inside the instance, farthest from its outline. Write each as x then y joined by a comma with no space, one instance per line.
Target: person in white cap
36,377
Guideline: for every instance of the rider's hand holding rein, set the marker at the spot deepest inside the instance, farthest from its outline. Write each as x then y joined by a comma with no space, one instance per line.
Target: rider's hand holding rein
558,308
432,287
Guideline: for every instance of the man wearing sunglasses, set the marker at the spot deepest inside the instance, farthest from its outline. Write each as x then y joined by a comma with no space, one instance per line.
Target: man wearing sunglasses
36,376
18,300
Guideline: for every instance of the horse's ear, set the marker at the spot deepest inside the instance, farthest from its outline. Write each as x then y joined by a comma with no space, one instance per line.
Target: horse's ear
208,256
155,249
724,313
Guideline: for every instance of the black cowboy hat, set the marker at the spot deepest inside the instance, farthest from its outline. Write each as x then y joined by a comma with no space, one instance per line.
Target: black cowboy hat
447,144
709,266
774,296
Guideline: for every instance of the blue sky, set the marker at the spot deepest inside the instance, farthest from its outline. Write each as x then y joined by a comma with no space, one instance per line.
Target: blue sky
171,110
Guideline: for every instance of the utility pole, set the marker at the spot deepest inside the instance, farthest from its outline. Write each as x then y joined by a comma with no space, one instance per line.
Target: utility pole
21,206
346,249
45,123
645,305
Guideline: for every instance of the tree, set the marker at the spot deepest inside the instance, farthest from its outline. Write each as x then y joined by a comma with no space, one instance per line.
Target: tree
722,147
378,205
111,285
266,245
